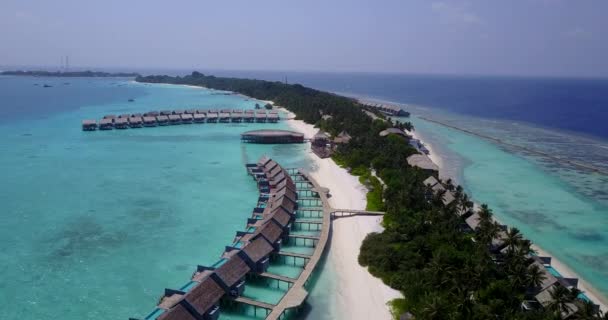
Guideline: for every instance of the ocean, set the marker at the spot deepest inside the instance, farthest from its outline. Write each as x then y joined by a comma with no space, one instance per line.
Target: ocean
96,224
555,200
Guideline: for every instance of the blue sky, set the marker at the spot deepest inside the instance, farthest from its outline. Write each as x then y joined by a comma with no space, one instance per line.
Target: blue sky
520,37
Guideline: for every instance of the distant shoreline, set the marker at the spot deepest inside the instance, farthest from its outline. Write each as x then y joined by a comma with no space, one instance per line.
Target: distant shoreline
70,74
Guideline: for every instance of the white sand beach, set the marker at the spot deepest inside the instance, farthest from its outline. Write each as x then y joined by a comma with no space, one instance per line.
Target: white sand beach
360,295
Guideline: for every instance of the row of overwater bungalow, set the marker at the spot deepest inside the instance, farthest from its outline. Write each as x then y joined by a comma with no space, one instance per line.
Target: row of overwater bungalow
248,256
387,109
175,117
540,296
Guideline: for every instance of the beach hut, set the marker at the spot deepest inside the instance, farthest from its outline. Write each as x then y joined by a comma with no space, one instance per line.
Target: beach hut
135,122
89,125
199,118
257,254
174,119
106,124
424,163
149,121
121,123
396,131
342,138
186,118
162,120
231,276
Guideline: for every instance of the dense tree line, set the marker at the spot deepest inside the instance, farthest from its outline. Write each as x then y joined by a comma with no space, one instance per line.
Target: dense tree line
442,271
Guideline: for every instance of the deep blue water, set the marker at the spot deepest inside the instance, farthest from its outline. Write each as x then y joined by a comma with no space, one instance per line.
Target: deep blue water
579,105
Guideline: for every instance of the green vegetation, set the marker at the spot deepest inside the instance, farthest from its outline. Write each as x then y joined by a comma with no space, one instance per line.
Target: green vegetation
443,272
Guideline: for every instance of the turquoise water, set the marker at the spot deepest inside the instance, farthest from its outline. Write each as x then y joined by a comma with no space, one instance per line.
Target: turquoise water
97,224
560,208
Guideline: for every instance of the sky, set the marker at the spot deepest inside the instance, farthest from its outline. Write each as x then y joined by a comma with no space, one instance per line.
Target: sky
491,37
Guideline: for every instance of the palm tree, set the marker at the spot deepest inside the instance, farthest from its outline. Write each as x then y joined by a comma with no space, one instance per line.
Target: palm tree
485,214
587,311
536,276
513,238
560,299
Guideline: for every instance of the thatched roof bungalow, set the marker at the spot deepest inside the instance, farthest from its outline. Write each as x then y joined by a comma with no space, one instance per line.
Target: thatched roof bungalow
231,276
256,254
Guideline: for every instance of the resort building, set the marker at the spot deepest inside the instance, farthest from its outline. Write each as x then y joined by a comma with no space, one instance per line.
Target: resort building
423,162
396,131
231,276
267,136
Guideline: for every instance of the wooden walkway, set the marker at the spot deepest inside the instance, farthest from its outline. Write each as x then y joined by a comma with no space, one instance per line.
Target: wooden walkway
302,236
254,303
294,254
338,213
297,294
277,277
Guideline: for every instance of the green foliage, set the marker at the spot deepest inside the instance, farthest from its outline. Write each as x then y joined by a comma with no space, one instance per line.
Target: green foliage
422,251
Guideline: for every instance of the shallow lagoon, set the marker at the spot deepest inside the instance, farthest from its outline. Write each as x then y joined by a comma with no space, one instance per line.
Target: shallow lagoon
96,224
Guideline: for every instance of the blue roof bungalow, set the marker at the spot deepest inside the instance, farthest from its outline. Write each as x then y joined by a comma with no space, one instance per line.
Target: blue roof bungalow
231,276
257,254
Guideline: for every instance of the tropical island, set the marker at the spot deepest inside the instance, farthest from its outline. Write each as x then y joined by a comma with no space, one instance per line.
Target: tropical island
448,258
70,74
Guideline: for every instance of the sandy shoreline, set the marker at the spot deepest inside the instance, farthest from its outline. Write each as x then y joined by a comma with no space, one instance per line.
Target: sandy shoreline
360,295
562,268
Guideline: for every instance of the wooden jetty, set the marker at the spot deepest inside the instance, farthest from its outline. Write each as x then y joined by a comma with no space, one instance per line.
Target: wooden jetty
175,117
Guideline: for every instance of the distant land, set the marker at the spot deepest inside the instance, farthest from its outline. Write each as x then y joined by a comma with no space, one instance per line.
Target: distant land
86,73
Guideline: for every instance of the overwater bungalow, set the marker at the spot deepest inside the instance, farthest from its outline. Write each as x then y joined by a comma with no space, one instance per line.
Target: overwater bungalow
106,124
231,276
237,115
179,111
186,118
248,117
149,121
288,204
259,117
286,192
200,118
124,115
202,111
203,300
213,111
151,114
110,116
225,111
272,232
166,112
191,111
135,122
175,119
257,254
121,123
283,217
89,125
273,118
162,120
137,115
179,312
224,117
212,117
270,165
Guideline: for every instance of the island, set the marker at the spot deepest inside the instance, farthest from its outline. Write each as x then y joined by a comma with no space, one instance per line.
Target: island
448,258
70,74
